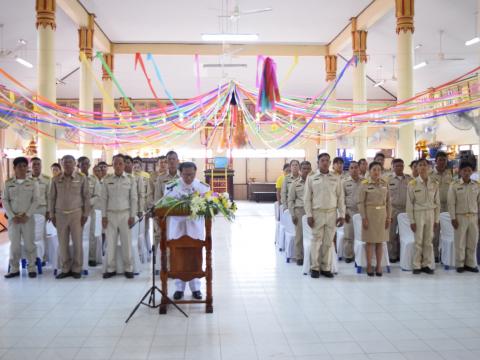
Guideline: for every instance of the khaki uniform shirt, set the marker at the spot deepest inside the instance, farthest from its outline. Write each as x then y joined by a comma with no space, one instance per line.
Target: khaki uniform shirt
463,198
119,193
20,198
285,187
325,192
444,180
146,184
350,188
421,196
373,194
69,193
95,189
398,190
159,188
295,195
139,183
43,182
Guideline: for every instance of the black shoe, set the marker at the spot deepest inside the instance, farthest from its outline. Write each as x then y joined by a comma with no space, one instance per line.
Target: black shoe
315,274
32,274
437,259
76,275
460,269
393,261
471,269
63,275
129,275
378,273
108,275
92,263
370,273
12,275
300,262
327,274
416,271
348,261
197,295
427,270
178,295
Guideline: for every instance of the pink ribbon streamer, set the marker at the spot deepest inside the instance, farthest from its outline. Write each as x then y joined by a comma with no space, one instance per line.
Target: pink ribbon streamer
260,59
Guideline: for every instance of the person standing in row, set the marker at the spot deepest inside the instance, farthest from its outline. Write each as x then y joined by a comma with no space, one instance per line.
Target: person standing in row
56,169
69,209
397,184
325,208
296,209
139,184
337,167
443,176
414,168
20,199
375,209
289,179
423,209
94,188
363,168
463,205
280,180
119,208
350,188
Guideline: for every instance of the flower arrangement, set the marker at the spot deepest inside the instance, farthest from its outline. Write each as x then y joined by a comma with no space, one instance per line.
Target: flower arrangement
207,205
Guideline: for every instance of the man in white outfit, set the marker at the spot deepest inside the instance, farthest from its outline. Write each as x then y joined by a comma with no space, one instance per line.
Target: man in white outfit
182,225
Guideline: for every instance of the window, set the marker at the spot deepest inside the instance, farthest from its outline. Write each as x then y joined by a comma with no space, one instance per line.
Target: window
268,153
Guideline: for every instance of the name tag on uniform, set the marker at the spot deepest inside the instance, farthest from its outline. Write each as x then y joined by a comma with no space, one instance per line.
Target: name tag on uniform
75,181
392,184
111,183
371,188
418,191
348,185
460,188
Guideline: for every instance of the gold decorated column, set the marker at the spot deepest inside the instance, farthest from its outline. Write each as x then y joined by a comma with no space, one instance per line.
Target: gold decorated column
45,23
107,103
404,11
85,45
359,46
331,76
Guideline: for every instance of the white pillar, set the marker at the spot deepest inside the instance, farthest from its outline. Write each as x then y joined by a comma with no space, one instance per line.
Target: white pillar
360,105
86,104
108,108
331,127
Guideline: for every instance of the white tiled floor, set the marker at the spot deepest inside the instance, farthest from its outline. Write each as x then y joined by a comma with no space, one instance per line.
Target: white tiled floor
263,309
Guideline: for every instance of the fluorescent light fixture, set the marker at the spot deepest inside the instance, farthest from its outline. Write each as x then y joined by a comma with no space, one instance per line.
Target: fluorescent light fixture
475,40
377,84
420,65
230,37
23,62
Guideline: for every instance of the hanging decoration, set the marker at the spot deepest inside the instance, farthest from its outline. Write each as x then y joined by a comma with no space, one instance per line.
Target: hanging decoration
268,92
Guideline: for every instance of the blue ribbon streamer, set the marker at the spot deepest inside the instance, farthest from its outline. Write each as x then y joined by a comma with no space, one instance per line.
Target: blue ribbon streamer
160,79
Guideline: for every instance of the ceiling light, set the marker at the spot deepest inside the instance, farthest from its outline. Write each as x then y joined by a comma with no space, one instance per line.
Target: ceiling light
377,84
475,40
230,37
420,65
23,62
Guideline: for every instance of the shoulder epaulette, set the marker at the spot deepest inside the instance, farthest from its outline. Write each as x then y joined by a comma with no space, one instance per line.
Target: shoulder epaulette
413,182
365,181
171,184
46,176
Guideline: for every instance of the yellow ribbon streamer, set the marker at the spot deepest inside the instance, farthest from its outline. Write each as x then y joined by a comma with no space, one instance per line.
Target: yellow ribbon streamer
290,70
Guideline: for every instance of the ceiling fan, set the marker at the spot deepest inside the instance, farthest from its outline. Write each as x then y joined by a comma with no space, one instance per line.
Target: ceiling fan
237,13
441,55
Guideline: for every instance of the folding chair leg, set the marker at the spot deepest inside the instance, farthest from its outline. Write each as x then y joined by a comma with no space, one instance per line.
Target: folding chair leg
359,269
39,266
388,269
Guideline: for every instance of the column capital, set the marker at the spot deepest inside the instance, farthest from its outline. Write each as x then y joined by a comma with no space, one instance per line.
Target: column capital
85,38
359,45
404,12
108,58
45,10
331,67
123,105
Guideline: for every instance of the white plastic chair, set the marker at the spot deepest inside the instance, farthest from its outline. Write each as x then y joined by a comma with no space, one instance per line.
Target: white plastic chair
407,242
277,222
280,240
289,236
340,235
447,241
98,235
360,247
51,244
40,235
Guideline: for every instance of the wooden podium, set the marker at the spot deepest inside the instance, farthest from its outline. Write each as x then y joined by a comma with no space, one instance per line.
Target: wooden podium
186,258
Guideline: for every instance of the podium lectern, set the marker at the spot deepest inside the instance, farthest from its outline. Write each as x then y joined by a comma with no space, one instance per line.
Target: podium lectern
186,258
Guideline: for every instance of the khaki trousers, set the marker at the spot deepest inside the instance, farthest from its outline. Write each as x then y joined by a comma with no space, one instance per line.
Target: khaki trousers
394,235
92,240
17,232
466,238
423,255
323,233
118,226
70,225
348,237
299,212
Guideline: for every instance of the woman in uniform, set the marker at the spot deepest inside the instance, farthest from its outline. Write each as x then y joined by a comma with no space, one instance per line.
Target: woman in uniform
374,207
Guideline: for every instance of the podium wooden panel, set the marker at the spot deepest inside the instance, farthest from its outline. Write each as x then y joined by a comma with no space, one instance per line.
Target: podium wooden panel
186,258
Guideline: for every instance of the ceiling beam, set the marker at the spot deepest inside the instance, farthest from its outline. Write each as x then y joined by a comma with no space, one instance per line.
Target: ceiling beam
80,16
218,49
376,10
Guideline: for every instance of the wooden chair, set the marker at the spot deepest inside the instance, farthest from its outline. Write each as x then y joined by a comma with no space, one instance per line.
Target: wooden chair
186,259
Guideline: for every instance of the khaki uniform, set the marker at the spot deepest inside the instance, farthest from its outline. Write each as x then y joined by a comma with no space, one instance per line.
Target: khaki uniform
323,200
374,205
296,209
285,187
463,205
43,182
21,197
95,189
444,180
140,185
69,201
119,203
397,186
423,209
350,188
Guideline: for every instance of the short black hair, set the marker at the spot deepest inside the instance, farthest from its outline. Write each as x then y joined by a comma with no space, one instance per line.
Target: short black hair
372,164
102,163
137,159
294,161
423,160
57,165
465,164
161,157
441,154
362,160
119,156
306,163
338,159
171,152
20,160
127,157
382,155
82,158
286,166
414,162
68,156
187,165
323,155
397,160
353,162
35,159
